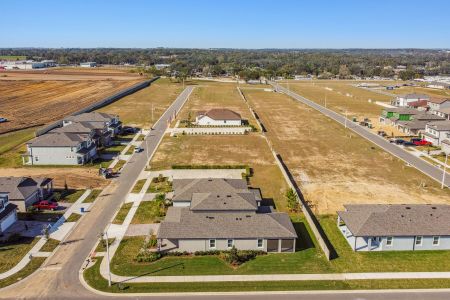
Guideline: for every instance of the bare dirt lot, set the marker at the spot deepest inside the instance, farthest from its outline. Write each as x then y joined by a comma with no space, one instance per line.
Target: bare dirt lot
334,166
77,178
28,103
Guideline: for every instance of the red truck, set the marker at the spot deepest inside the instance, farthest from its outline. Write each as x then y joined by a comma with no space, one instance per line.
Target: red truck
49,205
421,143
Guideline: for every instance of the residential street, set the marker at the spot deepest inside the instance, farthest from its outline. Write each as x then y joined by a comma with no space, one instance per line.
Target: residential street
414,161
59,277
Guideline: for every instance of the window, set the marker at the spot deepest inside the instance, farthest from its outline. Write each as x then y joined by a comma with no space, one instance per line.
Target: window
230,243
418,241
389,241
212,244
36,158
436,240
260,243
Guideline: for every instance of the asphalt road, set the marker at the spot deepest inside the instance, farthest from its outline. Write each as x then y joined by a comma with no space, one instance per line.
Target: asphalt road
418,163
58,278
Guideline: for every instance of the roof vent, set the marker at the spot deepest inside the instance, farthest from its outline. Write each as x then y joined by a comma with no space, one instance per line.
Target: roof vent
218,196
408,207
229,196
210,179
433,207
248,216
225,203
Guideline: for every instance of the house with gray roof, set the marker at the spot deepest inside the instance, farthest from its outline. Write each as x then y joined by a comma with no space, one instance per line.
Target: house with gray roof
8,213
417,123
25,191
98,131
110,121
436,132
395,227
217,214
404,100
218,117
60,148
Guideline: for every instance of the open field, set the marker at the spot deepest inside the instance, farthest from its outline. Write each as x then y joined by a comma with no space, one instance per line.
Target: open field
136,109
64,74
251,149
214,95
421,90
12,57
32,103
342,96
334,166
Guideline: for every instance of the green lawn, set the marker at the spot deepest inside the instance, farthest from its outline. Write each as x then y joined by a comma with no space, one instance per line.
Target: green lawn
50,245
32,266
130,150
92,196
383,261
149,212
12,57
73,218
101,247
12,146
69,196
114,149
11,253
138,186
307,259
123,211
94,279
160,185
119,165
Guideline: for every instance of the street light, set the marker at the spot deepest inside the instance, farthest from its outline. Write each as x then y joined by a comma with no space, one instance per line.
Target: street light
103,235
443,174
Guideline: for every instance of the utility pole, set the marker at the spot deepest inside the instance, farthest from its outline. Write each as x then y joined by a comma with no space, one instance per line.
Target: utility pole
152,112
443,174
107,255
345,121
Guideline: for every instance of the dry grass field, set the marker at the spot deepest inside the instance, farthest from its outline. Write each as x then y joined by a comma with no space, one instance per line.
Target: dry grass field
32,103
332,165
421,90
341,96
135,109
251,150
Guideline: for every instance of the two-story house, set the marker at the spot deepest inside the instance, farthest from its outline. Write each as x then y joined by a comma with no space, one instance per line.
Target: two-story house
417,123
391,116
436,104
8,213
98,131
112,122
436,132
60,149
218,214
25,191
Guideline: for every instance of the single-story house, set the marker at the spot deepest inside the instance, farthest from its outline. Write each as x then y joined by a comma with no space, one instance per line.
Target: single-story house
419,105
98,131
88,64
443,112
60,149
403,100
218,117
112,122
8,213
396,227
25,191
217,214
436,132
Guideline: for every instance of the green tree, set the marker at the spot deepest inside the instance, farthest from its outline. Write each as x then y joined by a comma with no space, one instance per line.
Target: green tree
292,200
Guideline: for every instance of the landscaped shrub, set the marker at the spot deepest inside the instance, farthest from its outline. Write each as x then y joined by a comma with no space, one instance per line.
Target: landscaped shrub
146,255
205,253
237,257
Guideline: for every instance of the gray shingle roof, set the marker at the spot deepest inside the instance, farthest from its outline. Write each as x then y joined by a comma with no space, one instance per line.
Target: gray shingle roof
20,188
397,220
440,125
91,117
182,223
58,139
215,194
414,96
79,127
221,114
427,116
414,125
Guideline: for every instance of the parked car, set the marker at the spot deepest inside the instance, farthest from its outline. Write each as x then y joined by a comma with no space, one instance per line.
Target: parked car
399,141
408,144
421,143
45,204
3,120
381,133
415,140
138,149
129,130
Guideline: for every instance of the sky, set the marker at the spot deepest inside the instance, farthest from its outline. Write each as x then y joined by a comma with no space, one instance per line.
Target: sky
225,24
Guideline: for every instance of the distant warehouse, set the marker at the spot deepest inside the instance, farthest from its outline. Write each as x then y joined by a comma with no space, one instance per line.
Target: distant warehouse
89,64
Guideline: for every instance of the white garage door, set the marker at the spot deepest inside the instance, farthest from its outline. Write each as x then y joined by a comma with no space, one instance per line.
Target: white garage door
8,221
